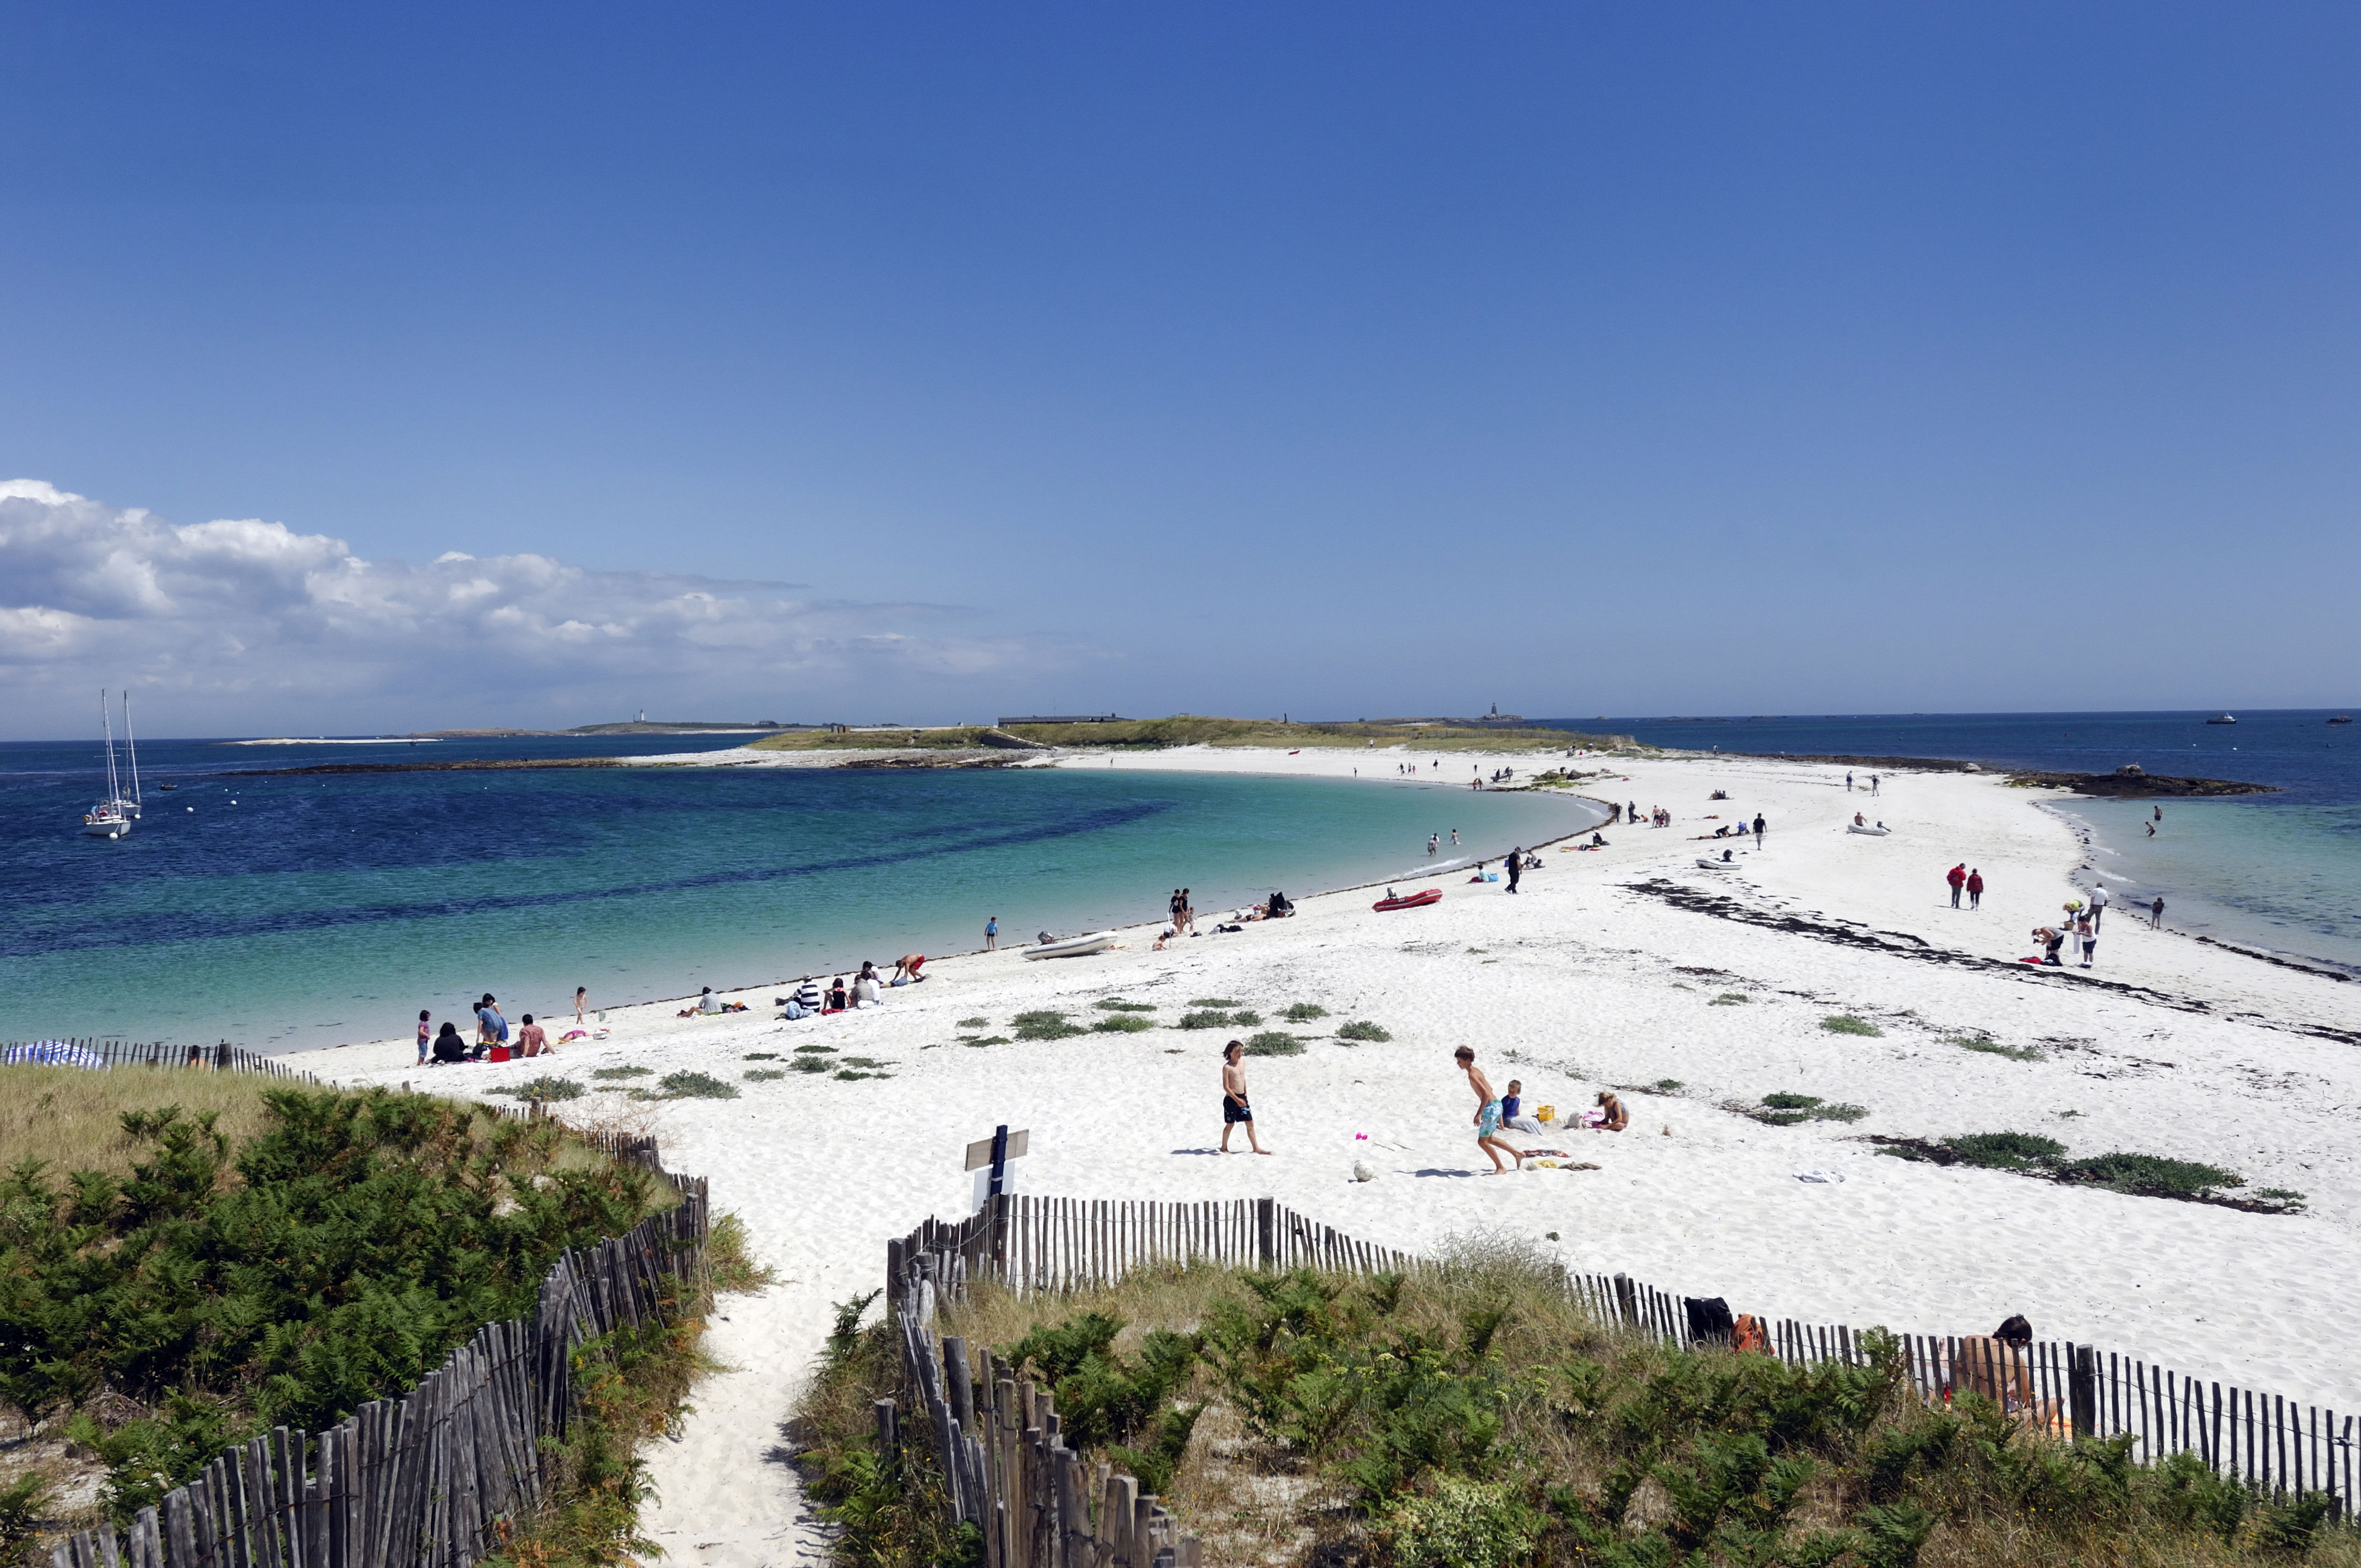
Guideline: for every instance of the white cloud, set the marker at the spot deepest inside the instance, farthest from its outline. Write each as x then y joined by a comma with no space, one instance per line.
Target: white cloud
253,622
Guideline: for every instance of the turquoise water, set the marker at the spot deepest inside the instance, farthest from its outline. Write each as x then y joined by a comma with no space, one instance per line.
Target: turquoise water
320,910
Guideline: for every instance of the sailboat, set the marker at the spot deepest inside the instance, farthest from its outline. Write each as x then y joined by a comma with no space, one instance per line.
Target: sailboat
107,818
129,803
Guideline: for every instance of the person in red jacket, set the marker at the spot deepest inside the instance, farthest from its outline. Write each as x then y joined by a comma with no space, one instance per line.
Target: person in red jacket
1958,879
1975,889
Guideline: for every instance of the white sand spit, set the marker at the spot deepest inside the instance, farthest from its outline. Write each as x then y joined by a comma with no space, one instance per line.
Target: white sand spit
1599,973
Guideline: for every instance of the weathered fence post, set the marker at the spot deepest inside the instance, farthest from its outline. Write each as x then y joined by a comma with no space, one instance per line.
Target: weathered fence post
2083,1389
1627,1300
1267,1232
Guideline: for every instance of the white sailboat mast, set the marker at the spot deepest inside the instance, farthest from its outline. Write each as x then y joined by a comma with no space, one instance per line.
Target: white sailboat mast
106,722
132,744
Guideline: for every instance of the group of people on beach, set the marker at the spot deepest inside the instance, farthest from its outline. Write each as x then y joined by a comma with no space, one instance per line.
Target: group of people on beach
1493,1112
444,1046
866,989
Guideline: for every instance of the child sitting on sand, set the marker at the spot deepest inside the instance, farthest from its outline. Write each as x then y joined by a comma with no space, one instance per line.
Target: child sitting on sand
1512,1108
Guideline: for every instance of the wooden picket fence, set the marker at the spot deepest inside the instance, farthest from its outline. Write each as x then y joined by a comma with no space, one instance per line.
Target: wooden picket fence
1008,1474
433,1479
222,1057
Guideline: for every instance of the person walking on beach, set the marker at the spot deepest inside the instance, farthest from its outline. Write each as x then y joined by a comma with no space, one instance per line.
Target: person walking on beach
1848,783
1872,784
1234,1107
1975,889
1958,878
425,1033
1516,864
1188,913
1760,827
1175,906
2098,906
992,933
2155,913
1488,1113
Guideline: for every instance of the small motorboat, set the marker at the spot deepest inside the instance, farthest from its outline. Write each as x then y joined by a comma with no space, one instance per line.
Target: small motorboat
2342,718
1880,831
168,786
1418,900
1714,865
2224,719
1072,947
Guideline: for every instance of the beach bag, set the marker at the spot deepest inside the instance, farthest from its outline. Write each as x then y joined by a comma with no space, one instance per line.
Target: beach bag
1746,1334
1709,1319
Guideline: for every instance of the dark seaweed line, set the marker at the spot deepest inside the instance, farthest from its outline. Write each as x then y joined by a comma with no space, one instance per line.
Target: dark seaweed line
113,935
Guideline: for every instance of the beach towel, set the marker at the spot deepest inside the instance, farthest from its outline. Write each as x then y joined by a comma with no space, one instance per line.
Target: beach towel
53,1053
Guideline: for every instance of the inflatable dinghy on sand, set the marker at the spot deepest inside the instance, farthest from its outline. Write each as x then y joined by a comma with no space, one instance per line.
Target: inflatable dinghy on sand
1074,946
1409,901
1880,831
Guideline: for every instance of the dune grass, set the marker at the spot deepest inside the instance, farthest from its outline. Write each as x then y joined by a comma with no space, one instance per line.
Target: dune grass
1846,1023
1362,1029
1123,1023
1302,1012
71,1119
1273,1043
1786,1109
1044,1023
615,1072
1473,1416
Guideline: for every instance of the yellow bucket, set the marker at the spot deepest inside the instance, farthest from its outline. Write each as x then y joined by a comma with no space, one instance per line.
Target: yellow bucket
1546,1113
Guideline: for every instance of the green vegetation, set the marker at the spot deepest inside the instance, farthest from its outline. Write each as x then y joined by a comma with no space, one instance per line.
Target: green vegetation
1361,1029
866,1061
615,1072
1990,1047
850,1074
1211,1001
1272,1043
1668,1084
815,1051
224,1288
1302,1012
1206,1019
809,1064
765,1074
975,1024
696,1086
1786,1109
1473,1416
2137,1175
1846,1023
760,1056
1730,999
1044,1023
545,1087
1123,1023
988,1040
1117,1004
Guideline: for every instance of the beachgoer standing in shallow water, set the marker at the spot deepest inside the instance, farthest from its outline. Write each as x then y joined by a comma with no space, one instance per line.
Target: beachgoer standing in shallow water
1234,1107
992,934
1487,1112
1432,843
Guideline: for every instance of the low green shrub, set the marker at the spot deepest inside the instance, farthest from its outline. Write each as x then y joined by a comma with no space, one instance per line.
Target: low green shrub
1993,1047
975,1024
1204,1019
1044,1023
1211,1002
545,1087
2144,1175
853,1075
765,1074
1846,1023
1730,999
1117,1004
1461,1524
1361,1029
1302,1012
760,1056
1786,1109
2006,1151
611,1072
809,1064
696,1086
866,1061
1123,1023
815,1051
1668,1084
1245,1020
989,1040
1272,1043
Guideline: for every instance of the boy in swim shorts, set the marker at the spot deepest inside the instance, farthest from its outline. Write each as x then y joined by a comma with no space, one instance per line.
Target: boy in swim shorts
1235,1108
1488,1113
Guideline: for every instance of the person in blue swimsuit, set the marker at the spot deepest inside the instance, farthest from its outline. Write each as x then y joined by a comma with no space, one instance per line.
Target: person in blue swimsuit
1488,1113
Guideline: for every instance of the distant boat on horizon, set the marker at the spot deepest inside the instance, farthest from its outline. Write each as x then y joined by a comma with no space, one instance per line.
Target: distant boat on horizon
2224,719
2342,718
109,820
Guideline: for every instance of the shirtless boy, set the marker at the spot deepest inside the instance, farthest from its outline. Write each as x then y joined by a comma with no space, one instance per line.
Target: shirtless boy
1487,1112
1235,1108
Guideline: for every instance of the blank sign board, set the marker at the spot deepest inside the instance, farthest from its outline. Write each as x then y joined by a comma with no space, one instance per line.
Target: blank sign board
979,1154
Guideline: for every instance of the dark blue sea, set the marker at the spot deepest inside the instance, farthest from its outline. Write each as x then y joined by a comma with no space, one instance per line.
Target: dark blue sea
284,912
2278,872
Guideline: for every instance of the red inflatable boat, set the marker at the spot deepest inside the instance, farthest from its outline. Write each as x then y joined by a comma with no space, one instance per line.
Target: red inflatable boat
1413,901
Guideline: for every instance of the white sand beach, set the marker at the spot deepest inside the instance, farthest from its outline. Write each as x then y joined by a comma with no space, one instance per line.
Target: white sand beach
1602,971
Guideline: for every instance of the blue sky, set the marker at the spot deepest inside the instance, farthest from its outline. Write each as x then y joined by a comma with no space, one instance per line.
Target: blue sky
935,362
